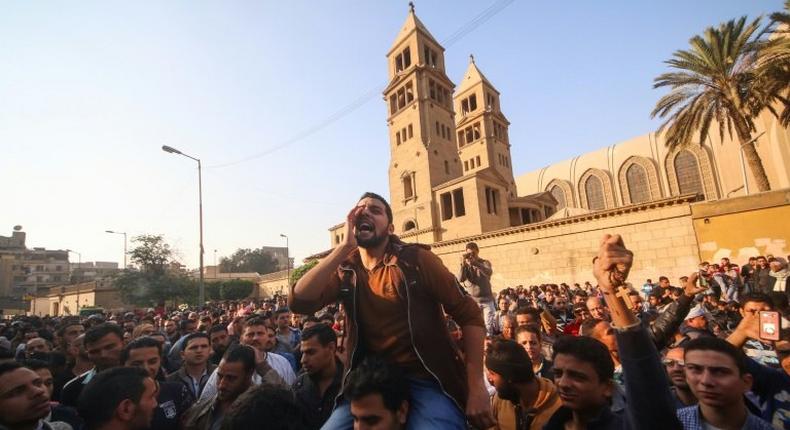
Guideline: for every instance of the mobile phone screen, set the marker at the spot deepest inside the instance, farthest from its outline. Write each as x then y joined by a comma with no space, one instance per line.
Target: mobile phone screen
769,325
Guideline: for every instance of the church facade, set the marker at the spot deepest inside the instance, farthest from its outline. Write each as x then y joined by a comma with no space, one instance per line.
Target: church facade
451,181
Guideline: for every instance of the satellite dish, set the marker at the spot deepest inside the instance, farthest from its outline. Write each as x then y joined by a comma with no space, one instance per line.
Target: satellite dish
17,228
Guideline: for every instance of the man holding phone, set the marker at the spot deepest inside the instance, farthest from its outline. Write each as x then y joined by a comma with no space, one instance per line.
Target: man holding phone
475,274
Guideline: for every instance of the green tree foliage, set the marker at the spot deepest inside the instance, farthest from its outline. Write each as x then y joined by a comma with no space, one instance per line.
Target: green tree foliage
232,289
717,80
150,280
297,273
249,260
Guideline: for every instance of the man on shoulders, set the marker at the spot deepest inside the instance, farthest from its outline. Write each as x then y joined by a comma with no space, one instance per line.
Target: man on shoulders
475,274
395,297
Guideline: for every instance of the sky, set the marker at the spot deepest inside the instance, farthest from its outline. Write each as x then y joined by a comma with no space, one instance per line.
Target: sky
281,100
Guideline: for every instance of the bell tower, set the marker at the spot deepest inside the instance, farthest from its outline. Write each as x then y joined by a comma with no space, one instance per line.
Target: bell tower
421,125
482,129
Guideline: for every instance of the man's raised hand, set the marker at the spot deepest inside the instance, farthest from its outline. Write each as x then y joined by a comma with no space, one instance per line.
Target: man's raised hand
691,288
613,263
351,223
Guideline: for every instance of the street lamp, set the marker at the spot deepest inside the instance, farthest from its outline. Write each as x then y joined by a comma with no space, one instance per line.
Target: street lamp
287,260
202,289
79,266
124,243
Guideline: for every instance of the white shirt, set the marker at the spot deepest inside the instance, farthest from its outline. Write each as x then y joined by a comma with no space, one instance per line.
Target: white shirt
277,362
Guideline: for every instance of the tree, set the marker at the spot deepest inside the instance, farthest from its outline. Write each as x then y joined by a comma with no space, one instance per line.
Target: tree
232,289
297,273
774,60
249,260
717,80
150,281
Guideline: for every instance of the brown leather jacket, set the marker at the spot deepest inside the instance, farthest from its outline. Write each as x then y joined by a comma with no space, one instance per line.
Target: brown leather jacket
430,290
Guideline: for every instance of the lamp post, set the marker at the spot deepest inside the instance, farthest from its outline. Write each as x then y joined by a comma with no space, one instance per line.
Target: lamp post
202,287
287,260
79,266
124,243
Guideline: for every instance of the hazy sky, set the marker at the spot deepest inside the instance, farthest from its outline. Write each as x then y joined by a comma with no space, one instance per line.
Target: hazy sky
90,91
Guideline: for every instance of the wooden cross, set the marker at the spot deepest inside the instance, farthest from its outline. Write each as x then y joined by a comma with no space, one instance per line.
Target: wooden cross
622,292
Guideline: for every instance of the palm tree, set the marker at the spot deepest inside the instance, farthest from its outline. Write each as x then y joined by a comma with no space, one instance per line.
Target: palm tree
773,64
716,80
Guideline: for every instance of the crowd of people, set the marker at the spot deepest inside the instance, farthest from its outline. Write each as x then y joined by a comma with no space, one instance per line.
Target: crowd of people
381,335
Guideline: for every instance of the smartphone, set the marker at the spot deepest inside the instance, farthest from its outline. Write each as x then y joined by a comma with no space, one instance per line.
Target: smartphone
769,325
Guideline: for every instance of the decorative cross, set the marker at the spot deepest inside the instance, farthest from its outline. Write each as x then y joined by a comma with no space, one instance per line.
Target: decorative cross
411,6
622,292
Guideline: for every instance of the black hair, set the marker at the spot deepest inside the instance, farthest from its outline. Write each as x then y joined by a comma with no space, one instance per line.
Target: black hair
34,364
266,403
588,350
241,354
95,333
510,360
184,322
193,336
529,328
387,207
757,297
100,398
256,320
375,376
710,343
66,323
9,366
472,245
322,332
663,278
217,328
281,311
140,342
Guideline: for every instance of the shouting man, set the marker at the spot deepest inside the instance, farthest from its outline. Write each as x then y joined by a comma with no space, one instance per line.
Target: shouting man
395,296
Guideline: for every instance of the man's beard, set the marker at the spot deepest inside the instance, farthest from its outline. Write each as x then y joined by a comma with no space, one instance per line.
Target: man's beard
509,392
371,242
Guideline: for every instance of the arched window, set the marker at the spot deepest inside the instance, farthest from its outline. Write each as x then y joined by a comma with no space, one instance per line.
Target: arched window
594,190
638,189
410,225
688,174
559,195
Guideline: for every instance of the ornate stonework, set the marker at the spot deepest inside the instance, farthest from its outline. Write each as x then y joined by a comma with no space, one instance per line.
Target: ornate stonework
654,187
705,169
606,182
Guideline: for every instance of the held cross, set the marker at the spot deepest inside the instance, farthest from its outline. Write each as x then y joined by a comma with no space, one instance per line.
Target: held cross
622,292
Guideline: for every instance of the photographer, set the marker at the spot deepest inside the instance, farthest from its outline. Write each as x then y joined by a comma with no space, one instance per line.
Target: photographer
475,274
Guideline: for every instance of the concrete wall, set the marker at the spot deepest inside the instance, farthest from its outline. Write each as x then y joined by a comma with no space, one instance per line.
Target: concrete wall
744,227
660,233
272,283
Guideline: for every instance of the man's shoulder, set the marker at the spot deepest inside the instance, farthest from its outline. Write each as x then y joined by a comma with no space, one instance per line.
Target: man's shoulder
275,357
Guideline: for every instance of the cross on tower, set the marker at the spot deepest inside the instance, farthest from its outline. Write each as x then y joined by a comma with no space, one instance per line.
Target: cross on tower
411,6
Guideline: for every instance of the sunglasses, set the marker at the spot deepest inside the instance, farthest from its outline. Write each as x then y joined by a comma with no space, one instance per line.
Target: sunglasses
672,363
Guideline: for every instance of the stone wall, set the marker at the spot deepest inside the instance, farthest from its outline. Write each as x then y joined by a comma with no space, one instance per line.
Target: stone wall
660,233
273,283
744,227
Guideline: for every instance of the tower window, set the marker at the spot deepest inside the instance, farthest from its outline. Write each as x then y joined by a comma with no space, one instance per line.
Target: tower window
476,128
477,159
393,104
461,138
403,60
397,138
470,137
430,56
408,185
492,198
432,89
446,167
458,202
472,103
437,128
411,131
466,165
403,134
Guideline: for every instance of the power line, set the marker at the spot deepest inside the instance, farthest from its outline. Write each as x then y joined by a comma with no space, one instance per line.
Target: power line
465,29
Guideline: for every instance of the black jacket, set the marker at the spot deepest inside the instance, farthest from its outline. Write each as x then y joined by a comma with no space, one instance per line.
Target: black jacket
668,322
173,400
